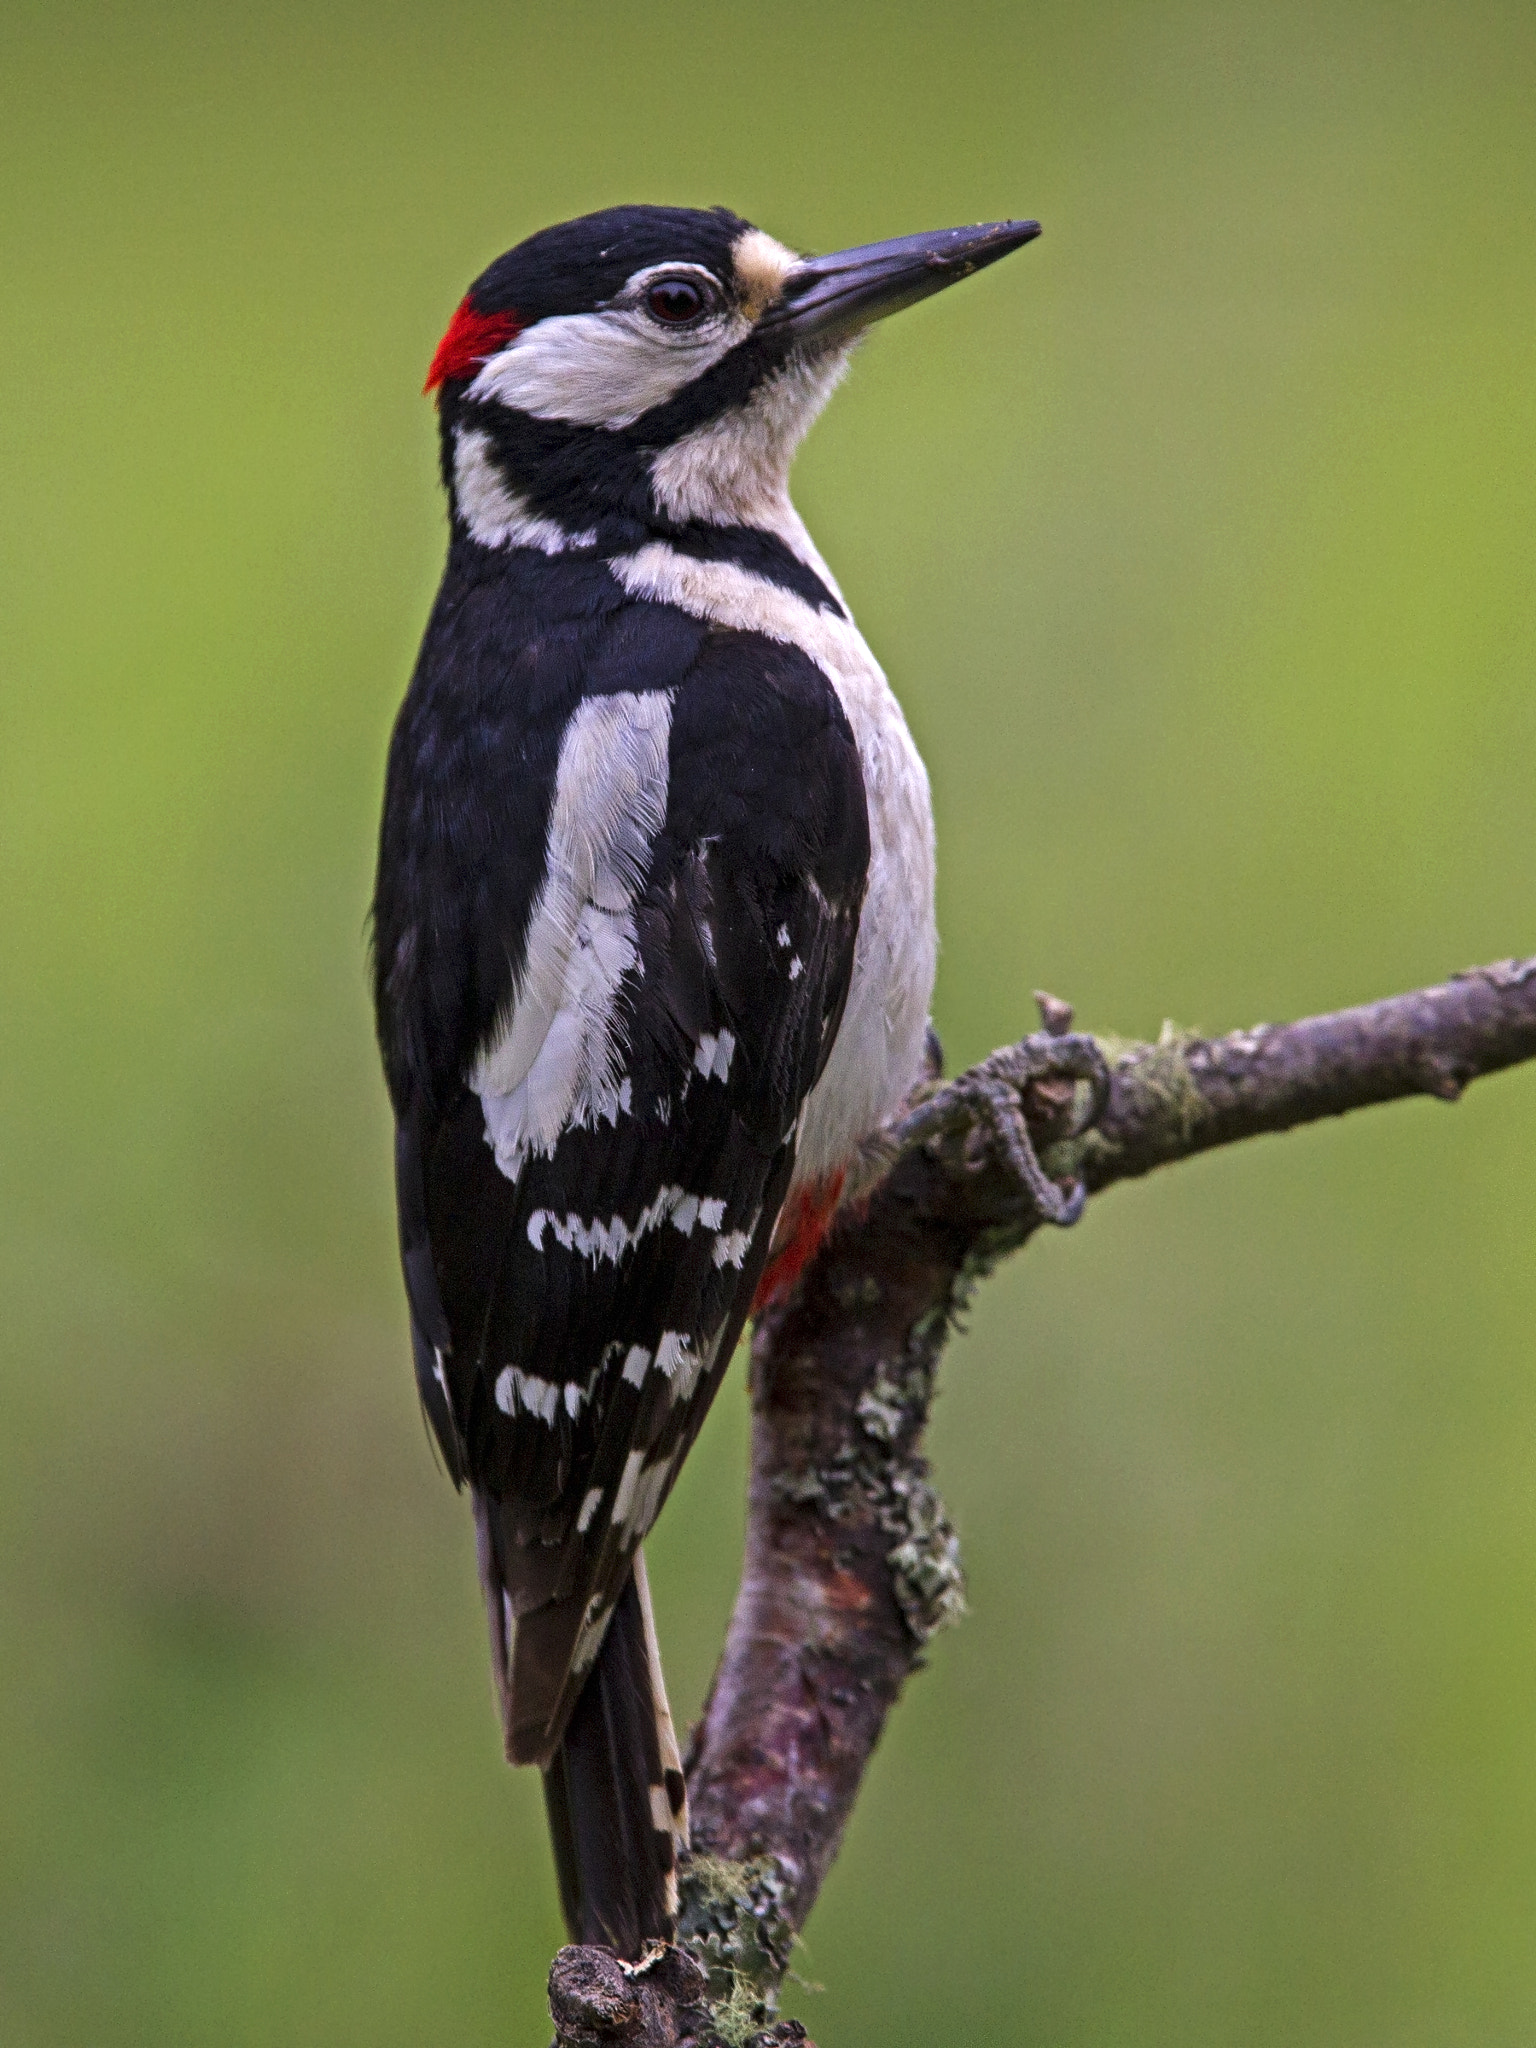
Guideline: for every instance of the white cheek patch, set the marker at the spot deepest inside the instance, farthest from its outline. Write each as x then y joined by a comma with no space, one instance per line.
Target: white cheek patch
602,369
496,516
554,1061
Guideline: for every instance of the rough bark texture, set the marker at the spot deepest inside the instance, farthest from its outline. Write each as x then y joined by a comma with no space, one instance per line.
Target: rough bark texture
851,1564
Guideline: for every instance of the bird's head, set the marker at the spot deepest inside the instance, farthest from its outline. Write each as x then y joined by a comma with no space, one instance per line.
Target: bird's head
652,366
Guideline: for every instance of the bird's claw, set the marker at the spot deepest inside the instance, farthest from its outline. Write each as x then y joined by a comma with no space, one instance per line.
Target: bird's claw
996,1089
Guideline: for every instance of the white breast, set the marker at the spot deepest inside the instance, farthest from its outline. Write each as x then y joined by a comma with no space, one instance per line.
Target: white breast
879,1049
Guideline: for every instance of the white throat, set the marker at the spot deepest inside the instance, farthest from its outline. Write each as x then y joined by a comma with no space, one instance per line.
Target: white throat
735,470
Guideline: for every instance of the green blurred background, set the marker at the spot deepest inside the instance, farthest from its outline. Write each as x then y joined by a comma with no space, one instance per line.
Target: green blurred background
1198,541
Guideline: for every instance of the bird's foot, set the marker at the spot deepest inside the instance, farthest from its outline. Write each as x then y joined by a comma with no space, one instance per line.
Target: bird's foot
1037,1082
1056,1080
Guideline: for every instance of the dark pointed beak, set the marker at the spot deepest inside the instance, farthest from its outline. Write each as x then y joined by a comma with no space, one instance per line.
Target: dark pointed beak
828,298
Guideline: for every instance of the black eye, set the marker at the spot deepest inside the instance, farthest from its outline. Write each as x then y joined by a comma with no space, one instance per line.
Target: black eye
674,301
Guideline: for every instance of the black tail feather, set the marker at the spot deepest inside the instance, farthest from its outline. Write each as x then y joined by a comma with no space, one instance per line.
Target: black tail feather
614,1792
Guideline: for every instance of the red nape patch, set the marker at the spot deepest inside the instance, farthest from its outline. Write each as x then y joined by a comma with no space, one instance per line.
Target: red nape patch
471,337
802,1225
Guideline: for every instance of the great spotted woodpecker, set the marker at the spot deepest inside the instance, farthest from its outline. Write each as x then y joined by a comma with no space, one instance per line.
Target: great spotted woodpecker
654,934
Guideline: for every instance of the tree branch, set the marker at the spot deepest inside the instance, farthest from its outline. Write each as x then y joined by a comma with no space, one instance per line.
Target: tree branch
851,1563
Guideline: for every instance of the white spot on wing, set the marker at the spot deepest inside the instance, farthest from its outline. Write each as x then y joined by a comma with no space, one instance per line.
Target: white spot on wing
589,1508
518,1389
712,1054
781,936
623,1498
671,1352
640,1491
589,1642
635,1363
594,1238
731,1248
796,968
683,1364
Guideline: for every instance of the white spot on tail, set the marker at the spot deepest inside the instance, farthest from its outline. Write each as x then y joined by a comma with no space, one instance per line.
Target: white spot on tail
676,1821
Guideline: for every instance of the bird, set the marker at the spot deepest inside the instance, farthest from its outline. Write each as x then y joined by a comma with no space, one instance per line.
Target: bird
653,936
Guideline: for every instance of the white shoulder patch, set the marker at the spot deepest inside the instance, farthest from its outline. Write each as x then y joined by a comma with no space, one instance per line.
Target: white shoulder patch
554,1061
